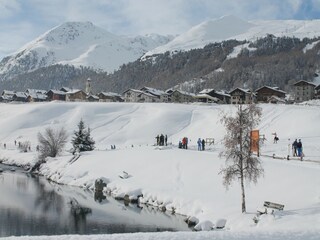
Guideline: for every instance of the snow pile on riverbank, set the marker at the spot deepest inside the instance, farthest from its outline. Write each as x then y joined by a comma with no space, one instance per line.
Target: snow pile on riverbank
187,181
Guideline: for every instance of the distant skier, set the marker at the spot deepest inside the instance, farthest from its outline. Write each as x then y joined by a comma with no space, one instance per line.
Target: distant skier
166,140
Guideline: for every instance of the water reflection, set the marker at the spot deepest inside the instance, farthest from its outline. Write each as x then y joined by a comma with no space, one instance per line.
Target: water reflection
31,205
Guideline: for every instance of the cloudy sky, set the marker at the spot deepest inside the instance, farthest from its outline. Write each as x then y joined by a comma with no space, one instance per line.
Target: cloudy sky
23,20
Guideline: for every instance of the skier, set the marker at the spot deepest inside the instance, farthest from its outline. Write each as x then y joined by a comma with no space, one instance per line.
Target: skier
166,140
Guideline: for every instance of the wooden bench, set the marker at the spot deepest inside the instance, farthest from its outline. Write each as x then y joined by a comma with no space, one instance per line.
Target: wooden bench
273,205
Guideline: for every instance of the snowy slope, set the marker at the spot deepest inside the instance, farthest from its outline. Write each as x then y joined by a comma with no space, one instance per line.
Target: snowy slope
231,27
192,183
80,43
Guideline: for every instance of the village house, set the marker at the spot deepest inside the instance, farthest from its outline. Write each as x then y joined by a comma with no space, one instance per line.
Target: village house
213,96
36,97
147,97
6,96
264,94
56,95
178,96
161,95
131,95
241,96
19,97
76,95
304,91
110,97
92,98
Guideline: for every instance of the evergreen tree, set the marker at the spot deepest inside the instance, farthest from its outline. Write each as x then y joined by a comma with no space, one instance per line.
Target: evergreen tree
82,140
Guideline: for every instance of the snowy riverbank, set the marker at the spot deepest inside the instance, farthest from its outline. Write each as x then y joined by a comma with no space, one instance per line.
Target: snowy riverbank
186,180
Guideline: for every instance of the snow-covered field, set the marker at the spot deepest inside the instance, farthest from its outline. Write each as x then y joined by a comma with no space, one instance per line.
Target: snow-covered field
186,180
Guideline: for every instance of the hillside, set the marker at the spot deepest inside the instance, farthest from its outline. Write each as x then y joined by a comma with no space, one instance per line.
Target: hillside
192,183
223,54
78,44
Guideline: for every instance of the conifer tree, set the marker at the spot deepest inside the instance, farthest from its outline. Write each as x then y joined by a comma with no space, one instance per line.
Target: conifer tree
82,140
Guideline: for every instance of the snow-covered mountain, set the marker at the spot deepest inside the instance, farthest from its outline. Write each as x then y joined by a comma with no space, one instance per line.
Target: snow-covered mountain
80,43
231,27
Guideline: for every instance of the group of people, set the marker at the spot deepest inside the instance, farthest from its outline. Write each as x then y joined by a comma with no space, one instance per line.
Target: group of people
162,140
297,148
184,143
201,144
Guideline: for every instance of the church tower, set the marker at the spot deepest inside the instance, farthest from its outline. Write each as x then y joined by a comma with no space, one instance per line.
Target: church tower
88,86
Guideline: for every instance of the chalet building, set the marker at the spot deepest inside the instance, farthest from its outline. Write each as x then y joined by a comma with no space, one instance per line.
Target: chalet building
56,95
131,95
304,91
147,97
19,97
110,97
161,95
93,98
264,94
36,97
6,96
178,96
211,95
241,96
76,95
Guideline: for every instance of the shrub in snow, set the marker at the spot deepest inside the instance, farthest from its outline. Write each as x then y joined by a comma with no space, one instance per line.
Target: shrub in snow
24,146
51,142
82,140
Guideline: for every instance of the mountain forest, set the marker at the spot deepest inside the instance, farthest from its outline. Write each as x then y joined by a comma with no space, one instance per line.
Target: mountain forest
272,61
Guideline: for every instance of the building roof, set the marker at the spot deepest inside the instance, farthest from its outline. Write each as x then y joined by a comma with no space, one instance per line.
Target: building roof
271,88
20,94
133,90
304,82
57,92
248,91
206,91
153,91
110,94
39,96
30,90
184,93
8,92
204,95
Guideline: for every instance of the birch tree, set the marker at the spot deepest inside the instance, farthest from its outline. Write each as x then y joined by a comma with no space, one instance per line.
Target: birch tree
240,163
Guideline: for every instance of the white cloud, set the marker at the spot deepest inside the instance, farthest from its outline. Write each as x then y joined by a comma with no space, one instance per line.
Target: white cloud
8,8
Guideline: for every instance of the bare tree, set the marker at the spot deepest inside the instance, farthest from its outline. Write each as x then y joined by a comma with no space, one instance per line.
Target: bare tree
51,142
241,164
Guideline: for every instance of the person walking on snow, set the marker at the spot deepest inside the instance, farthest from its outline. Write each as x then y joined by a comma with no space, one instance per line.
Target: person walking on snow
199,144
294,148
299,148
203,144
